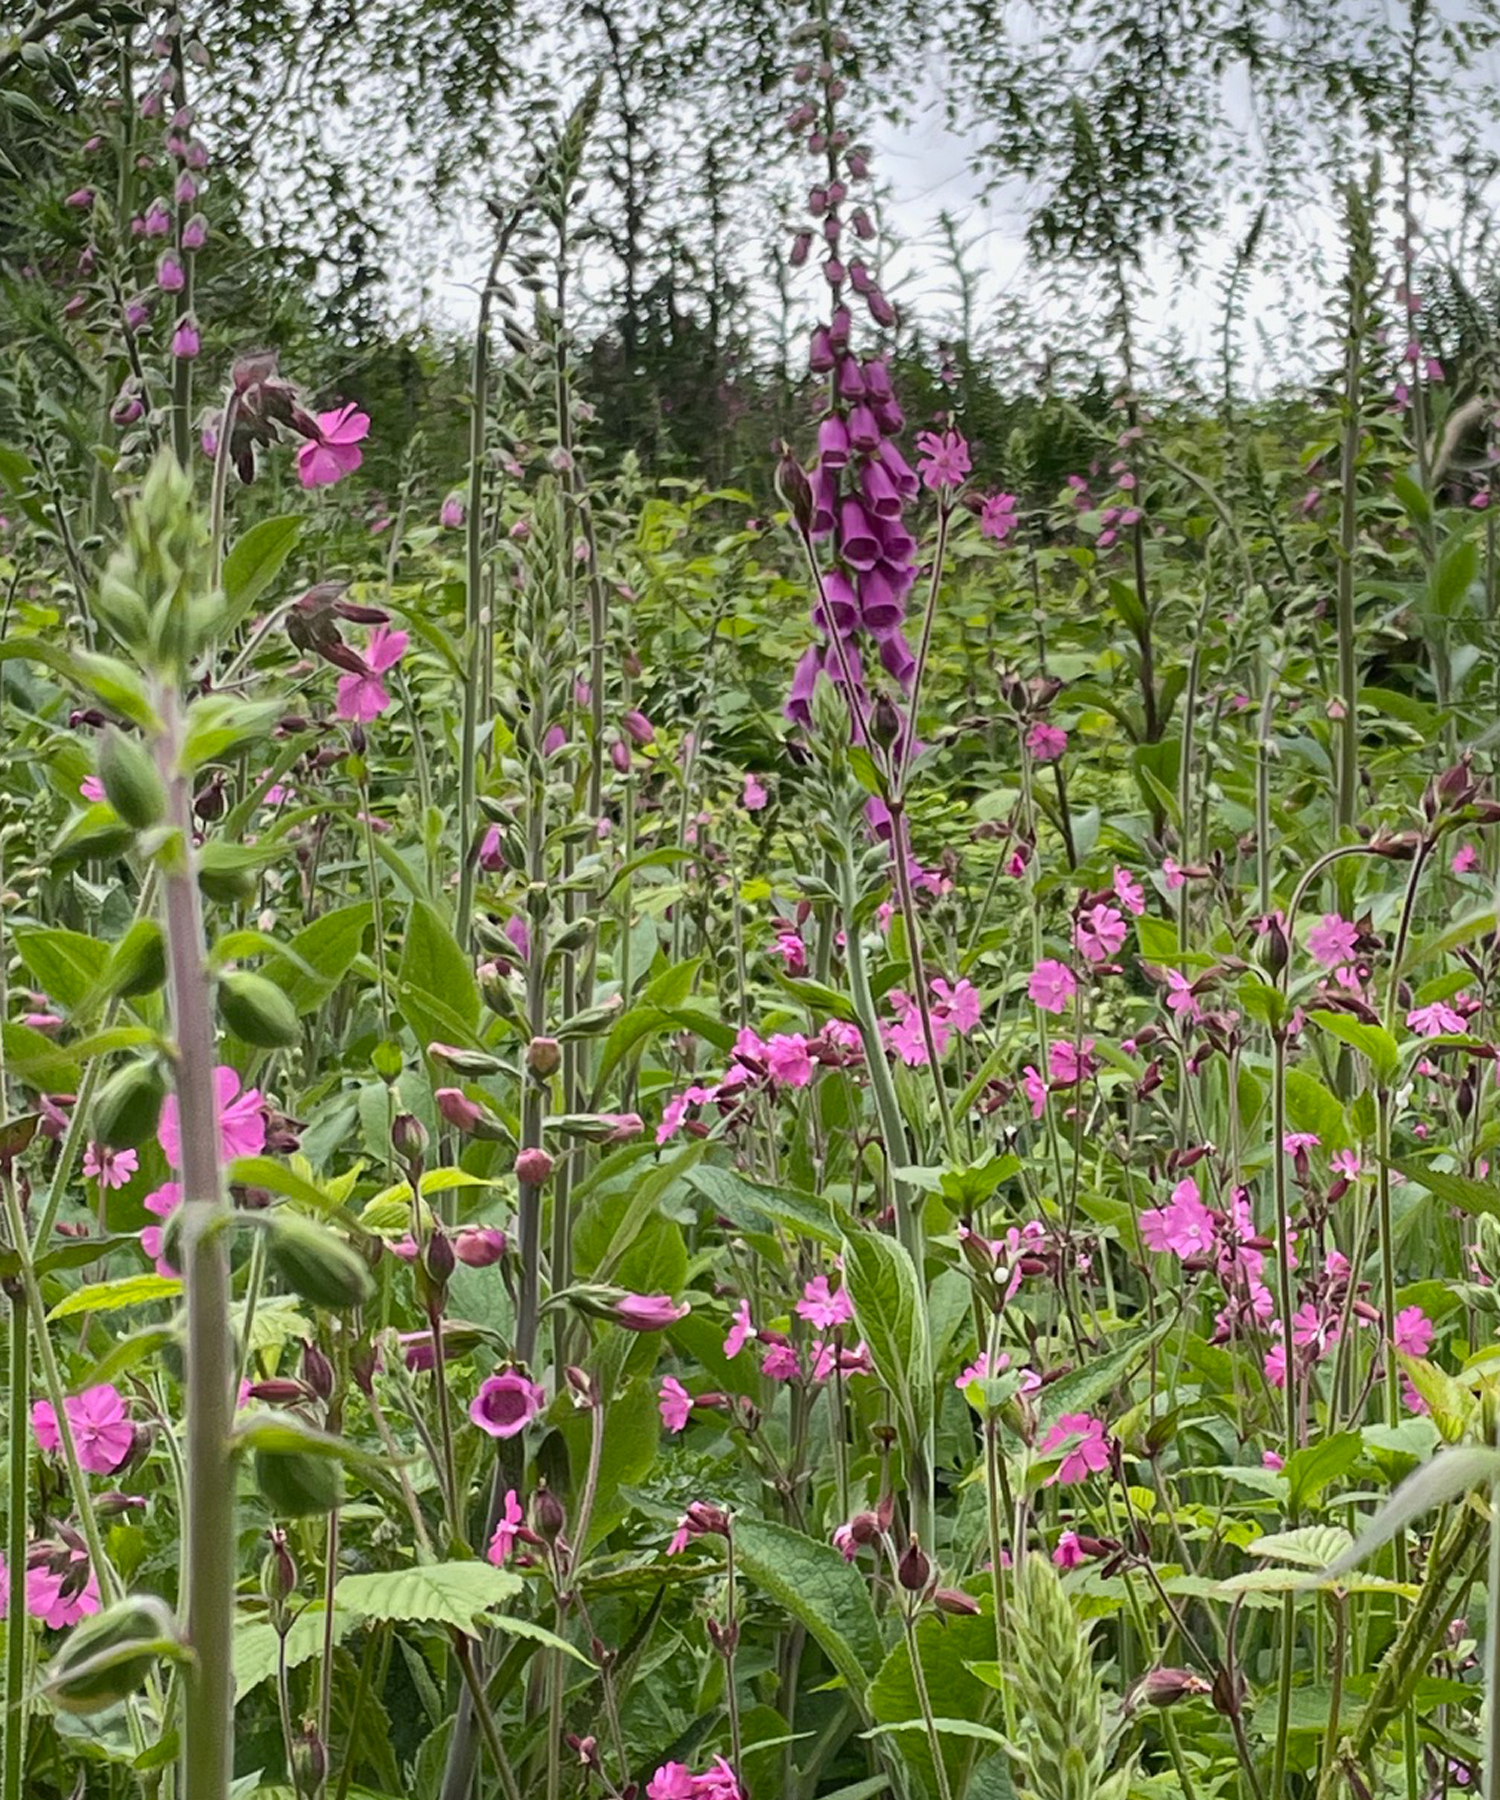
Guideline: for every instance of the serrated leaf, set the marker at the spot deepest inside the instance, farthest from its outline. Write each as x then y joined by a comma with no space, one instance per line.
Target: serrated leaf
752,1206
117,1296
460,1595
820,1590
1311,1546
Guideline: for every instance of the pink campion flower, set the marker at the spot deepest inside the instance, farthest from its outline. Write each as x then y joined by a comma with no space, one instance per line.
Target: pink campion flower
242,1125
1434,1020
102,1432
91,788
740,1330
110,1168
787,1060
1045,742
1098,932
335,451
672,1781
648,1312
1069,1552
1331,941
1172,874
674,1403
845,1542
506,1531
997,517
163,1202
1184,1227
793,952
1129,892
823,1309
1412,1335
1269,1459
674,1113
506,1404
57,1597
363,697
942,461
978,1370
779,1363
1465,858
1036,1090
1180,997
1345,1163
1069,1063
1051,986
753,798
960,1004
1297,1141
451,513
1089,1456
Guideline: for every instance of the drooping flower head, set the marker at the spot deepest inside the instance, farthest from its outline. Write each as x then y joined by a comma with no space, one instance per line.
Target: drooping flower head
335,451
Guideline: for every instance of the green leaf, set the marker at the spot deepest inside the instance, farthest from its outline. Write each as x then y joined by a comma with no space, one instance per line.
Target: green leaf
66,965
1457,567
1373,1042
1310,1546
1462,1191
437,986
256,1644
1447,1477
632,1434
947,1647
327,947
255,562
820,1590
1084,1388
117,1295
754,1207
1310,1470
890,1314
460,1595
266,1172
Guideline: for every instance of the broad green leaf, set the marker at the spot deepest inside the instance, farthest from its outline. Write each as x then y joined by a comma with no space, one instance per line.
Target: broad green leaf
632,1436
947,1646
1462,1191
266,1172
1373,1042
1086,1387
754,1207
820,1590
256,560
437,986
328,946
66,965
117,1296
890,1314
1447,1477
460,1595
256,1641
1310,1546
1309,1471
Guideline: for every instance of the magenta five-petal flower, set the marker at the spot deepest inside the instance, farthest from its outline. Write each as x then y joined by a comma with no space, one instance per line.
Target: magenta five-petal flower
942,459
822,1308
1331,941
103,1435
162,1202
364,697
1089,1456
110,1168
674,1403
335,452
242,1126
506,1531
1051,986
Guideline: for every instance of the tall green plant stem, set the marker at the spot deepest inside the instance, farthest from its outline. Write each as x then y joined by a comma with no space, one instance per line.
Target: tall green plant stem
208,1570
17,1721
1348,675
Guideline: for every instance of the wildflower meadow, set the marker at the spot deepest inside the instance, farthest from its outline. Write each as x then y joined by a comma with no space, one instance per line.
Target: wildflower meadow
749,960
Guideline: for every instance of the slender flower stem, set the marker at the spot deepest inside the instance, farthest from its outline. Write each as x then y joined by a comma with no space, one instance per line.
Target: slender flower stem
17,1719
208,1570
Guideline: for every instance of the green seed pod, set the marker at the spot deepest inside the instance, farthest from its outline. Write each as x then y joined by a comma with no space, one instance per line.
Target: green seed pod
109,1656
131,783
138,963
257,1011
129,1105
227,873
296,1483
316,1264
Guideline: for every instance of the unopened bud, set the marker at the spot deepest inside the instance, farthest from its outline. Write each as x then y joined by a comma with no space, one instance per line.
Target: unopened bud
408,1136
543,1056
533,1167
278,1573
457,1109
1164,1687
547,1516
955,1601
914,1570
317,1371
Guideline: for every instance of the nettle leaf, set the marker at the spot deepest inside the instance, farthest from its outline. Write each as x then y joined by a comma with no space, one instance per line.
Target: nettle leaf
256,1644
753,1207
117,1296
456,1594
890,1314
1310,1546
820,1590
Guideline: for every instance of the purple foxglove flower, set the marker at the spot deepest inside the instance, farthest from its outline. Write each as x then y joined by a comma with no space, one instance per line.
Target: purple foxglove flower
151,105
820,357
81,199
858,543
186,190
881,310
158,219
899,470
825,490
891,419
86,260
798,706
864,428
640,728
838,193
619,756
175,146
858,162
833,271
896,543
170,277
842,604
881,602
185,340
506,1404
801,246
851,382
839,327
648,1312
833,439
881,493
197,156
817,202
860,278
863,227
195,232
126,409
832,229
75,306
877,379
896,657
